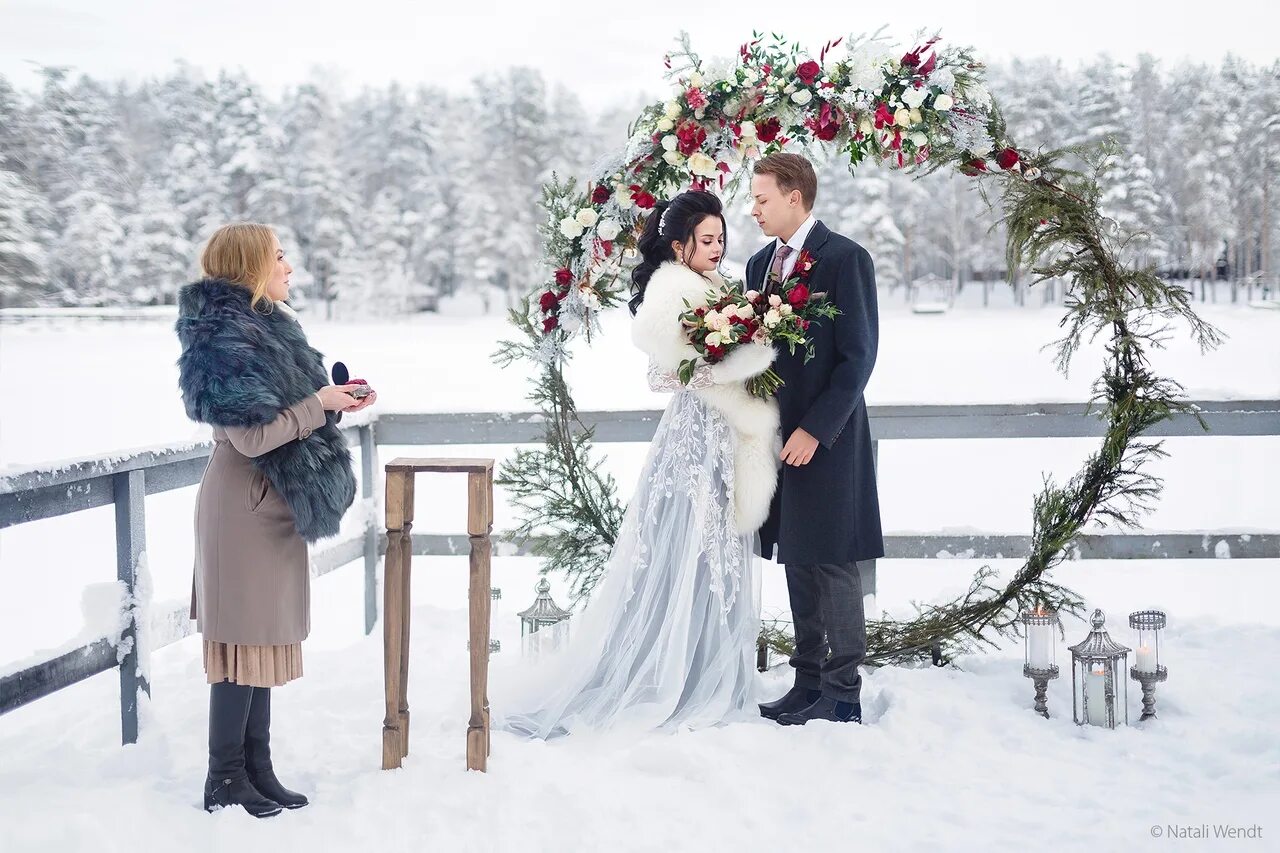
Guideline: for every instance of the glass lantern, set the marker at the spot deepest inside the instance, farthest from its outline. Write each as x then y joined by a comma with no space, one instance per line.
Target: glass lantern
1039,652
1099,689
544,612
1147,668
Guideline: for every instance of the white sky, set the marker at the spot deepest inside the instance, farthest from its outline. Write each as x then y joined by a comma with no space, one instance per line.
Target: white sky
595,48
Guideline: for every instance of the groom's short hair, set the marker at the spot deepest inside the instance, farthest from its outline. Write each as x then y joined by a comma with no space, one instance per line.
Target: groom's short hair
792,172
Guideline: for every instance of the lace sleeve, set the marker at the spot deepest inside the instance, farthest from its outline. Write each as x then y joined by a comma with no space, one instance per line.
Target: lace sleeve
667,380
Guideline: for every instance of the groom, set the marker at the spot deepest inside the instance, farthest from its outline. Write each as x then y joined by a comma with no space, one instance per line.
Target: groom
825,517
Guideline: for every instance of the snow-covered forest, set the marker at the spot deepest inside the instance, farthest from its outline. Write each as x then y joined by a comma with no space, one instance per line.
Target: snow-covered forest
395,197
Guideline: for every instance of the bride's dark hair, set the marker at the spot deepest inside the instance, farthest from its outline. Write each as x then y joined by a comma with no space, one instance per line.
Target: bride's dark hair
669,222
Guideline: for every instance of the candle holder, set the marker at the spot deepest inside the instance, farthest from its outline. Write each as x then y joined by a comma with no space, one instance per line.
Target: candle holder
1099,690
1147,669
1039,653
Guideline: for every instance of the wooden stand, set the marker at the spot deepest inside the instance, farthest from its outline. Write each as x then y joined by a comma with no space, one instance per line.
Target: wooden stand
396,602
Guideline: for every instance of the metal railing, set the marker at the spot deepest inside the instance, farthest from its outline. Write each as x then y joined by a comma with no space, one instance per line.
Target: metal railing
125,483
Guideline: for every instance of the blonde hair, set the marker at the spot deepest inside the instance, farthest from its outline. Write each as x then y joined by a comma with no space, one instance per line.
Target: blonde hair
242,253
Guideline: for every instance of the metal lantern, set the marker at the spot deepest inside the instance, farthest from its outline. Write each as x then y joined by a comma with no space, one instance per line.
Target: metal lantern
1099,690
1039,647
1147,669
543,613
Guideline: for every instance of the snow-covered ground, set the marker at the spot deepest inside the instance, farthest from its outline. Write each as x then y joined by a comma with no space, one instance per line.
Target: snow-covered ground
951,759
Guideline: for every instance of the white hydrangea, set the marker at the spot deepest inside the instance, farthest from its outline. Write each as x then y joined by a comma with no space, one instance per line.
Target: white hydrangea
914,97
943,78
802,97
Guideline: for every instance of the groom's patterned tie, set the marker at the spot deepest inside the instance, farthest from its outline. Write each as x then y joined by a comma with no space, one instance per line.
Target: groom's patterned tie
775,269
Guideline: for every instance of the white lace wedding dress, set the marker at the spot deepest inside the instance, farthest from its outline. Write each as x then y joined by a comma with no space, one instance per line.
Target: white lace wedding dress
668,639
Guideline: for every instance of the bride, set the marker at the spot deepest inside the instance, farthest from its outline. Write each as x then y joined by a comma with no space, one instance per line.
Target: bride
669,637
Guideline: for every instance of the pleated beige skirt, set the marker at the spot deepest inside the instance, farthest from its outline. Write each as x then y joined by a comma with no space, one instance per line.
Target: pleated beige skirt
256,666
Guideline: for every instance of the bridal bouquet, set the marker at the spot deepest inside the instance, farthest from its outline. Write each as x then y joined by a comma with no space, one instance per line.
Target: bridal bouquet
732,318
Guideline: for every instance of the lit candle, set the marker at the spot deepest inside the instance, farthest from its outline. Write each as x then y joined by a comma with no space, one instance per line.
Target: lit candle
1095,687
1146,659
1040,645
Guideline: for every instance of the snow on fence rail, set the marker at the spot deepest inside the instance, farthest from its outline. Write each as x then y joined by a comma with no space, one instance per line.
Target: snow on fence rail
126,480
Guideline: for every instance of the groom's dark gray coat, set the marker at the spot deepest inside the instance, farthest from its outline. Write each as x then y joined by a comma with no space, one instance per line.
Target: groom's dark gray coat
828,511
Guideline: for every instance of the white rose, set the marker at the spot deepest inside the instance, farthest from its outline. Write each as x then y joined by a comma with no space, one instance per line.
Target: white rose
727,336
802,97
675,158
919,140
665,124
866,127
943,102
713,339
622,196
672,110
916,116
713,320
914,97
772,317
752,295
571,227
702,165
609,230
700,114
784,309
749,76
695,80
775,300
731,312
902,117
587,217
748,131
669,142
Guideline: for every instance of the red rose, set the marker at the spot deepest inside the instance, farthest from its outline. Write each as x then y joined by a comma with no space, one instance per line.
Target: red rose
643,200
808,72
715,353
826,124
690,137
695,99
768,130
549,324
798,295
564,276
548,301
973,167
1007,158
601,195
700,311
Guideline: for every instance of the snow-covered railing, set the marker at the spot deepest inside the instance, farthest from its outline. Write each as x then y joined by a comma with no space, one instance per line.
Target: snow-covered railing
126,480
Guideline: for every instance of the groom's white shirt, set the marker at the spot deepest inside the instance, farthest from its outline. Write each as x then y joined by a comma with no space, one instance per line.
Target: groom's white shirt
796,243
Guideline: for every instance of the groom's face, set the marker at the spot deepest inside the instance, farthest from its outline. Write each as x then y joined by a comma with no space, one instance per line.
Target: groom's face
777,213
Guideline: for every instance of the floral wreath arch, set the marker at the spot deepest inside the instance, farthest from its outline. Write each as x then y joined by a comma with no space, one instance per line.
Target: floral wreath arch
920,111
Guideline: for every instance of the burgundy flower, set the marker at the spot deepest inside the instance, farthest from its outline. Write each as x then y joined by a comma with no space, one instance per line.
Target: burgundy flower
768,130
643,200
798,296
548,301
600,195
1007,158
884,115
690,136
715,353
827,123
808,72
549,324
564,277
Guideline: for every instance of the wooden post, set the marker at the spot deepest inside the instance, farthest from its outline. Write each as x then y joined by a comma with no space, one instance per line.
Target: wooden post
392,586
479,524
129,492
397,607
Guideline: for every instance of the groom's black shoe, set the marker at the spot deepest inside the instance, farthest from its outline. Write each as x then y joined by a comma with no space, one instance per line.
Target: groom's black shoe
825,709
795,699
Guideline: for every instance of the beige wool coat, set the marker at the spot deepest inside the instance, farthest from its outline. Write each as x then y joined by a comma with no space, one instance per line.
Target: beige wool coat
252,583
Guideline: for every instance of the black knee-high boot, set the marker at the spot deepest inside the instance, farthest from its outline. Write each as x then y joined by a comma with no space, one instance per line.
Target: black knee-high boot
228,784
257,753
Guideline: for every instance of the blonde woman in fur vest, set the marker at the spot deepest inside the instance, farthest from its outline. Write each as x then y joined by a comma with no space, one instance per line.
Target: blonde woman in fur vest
668,639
